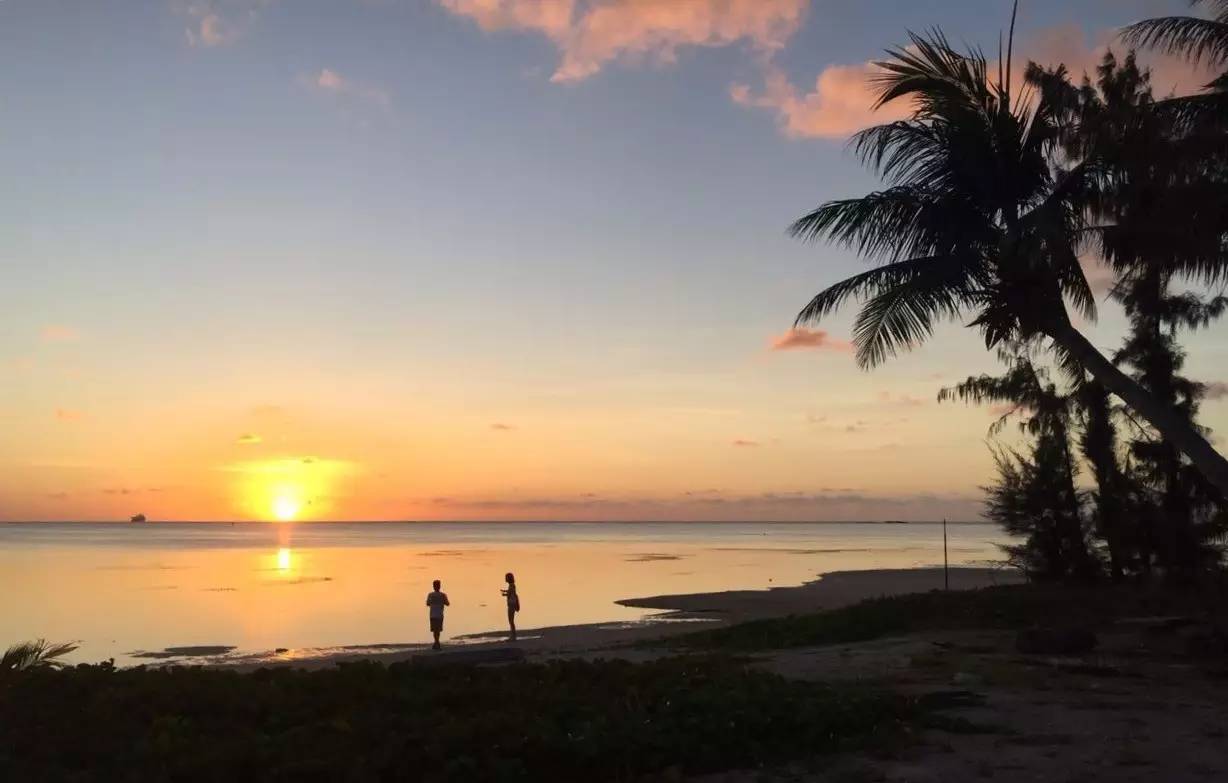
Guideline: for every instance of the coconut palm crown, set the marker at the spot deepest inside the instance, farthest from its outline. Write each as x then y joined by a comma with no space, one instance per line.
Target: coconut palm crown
983,217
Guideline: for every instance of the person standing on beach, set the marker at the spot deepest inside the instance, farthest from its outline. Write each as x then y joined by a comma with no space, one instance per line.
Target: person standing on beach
513,601
436,601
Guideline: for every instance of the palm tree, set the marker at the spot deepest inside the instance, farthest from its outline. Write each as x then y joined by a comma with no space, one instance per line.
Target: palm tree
34,655
1159,166
1203,40
1037,497
1198,38
984,216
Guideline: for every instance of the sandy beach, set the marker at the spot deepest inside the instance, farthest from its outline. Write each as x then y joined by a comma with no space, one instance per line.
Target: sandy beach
679,614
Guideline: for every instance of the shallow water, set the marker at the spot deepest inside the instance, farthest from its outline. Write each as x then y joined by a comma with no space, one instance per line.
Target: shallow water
121,590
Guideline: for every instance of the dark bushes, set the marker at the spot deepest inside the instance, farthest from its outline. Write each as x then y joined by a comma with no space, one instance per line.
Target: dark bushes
569,720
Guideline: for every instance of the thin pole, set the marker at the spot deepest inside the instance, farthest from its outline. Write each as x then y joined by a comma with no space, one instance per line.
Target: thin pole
946,574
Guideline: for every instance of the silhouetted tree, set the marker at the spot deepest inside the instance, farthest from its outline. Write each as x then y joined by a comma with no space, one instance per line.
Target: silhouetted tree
1099,442
1202,40
1036,496
1155,172
986,213
1186,512
33,655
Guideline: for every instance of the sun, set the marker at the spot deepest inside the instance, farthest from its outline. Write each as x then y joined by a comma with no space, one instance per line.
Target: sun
285,508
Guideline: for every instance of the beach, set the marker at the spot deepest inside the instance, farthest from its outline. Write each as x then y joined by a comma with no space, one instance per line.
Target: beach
673,615
214,592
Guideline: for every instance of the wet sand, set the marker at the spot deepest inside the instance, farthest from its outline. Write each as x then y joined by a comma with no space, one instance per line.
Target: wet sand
679,614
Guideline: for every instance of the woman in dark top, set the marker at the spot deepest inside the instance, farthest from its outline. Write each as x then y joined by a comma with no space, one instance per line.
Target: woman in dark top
513,601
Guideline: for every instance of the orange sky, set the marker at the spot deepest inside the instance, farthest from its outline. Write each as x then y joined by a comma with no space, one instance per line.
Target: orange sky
469,259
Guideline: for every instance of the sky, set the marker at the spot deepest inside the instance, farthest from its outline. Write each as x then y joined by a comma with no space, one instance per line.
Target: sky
470,259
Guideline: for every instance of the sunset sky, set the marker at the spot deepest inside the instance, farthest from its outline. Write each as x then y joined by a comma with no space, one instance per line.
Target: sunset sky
468,259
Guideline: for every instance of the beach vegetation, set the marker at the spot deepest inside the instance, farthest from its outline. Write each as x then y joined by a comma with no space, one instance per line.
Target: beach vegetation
1005,607
563,720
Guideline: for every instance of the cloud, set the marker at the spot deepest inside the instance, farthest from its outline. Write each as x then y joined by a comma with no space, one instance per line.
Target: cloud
1216,390
501,427
213,23
329,81
808,339
718,505
740,443
248,438
58,333
592,33
67,414
294,466
839,104
906,400
1082,53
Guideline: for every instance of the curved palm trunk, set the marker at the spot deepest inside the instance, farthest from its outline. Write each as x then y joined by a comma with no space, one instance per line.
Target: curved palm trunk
1172,427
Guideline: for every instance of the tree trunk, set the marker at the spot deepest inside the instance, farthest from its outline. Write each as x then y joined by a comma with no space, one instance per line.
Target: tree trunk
1167,422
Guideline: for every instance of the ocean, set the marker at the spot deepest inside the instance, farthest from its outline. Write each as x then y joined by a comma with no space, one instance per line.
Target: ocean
130,592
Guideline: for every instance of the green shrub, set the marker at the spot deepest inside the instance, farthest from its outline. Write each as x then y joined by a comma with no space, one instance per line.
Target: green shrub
1005,607
572,720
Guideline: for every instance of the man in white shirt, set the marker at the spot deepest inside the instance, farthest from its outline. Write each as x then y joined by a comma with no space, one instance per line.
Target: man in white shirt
437,600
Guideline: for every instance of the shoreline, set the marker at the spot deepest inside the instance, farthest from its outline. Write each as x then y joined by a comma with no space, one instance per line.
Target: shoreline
677,614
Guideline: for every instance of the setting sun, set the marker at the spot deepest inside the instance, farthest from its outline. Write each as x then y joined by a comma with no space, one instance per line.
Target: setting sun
285,508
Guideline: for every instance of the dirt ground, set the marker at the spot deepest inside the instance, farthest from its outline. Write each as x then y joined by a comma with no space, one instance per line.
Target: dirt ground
1137,709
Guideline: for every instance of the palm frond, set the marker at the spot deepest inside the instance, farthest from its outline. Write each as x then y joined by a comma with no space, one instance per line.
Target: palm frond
934,75
903,151
34,655
902,315
1200,40
893,224
1205,111
863,285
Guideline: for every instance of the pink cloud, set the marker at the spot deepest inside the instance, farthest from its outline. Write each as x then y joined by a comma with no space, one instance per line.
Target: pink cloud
740,443
1216,390
808,339
218,22
840,102
329,81
58,333
550,18
1081,53
591,34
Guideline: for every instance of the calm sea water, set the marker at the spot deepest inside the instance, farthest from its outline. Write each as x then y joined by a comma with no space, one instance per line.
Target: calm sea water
121,590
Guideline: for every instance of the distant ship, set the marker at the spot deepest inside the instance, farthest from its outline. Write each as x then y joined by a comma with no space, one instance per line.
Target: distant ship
137,518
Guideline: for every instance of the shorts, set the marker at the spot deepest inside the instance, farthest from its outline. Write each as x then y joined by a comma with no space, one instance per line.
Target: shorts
436,625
